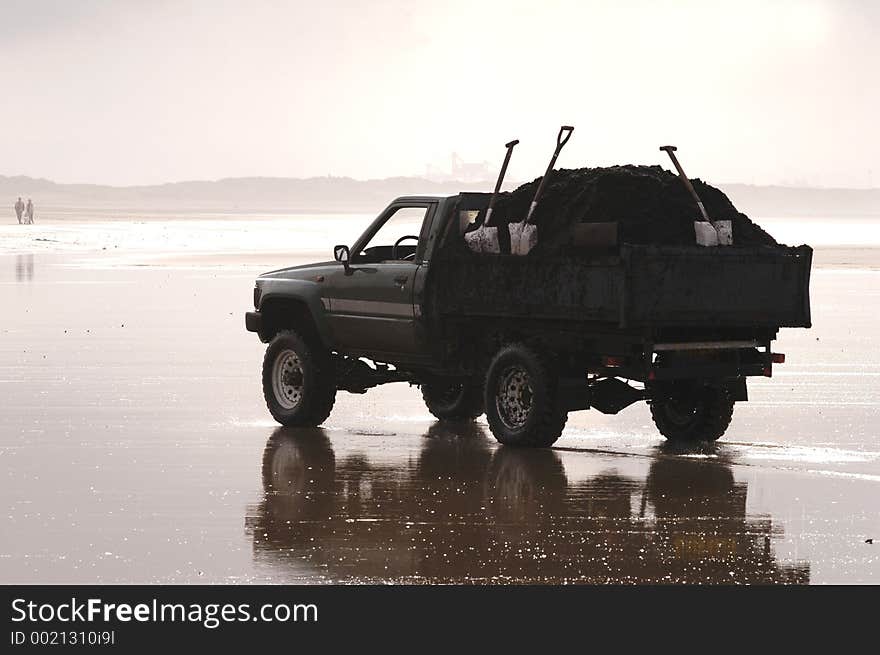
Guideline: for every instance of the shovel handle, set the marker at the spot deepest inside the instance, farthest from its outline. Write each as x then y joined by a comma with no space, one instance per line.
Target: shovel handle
503,170
561,139
501,175
670,150
566,130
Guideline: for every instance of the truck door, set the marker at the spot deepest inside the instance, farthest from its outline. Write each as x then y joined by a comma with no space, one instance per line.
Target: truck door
371,308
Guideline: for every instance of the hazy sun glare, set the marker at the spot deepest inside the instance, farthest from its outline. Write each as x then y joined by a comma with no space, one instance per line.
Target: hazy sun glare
130,92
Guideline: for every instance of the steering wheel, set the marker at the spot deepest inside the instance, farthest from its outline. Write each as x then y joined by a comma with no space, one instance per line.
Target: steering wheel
397,243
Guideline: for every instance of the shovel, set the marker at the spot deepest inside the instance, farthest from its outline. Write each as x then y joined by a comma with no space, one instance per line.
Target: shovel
707,232
485,238
524,235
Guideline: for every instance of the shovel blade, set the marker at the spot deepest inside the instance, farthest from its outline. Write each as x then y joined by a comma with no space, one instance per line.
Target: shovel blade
705,233
725,232
483,240
523,237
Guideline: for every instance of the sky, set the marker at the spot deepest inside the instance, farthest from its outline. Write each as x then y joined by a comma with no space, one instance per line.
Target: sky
130,92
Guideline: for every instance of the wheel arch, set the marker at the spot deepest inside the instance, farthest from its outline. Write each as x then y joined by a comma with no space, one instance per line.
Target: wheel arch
304,312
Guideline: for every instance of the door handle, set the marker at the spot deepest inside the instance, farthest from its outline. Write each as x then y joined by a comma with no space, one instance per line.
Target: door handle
401,279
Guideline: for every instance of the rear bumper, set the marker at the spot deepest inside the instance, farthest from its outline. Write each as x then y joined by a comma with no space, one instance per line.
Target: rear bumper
739,363
253,321
695,361
709,371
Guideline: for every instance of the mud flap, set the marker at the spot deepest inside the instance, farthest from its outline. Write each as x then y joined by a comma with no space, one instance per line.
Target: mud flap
737,389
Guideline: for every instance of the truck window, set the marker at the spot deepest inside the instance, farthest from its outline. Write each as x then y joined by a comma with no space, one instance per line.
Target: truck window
466,218
406,221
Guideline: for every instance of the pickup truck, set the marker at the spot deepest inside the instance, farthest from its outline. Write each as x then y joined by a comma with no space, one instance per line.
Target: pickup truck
526,339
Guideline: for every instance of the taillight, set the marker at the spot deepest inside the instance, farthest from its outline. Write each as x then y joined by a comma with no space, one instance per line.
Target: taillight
768,371
612,361
777,358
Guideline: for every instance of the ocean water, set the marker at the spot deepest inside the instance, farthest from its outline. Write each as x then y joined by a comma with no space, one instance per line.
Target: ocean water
825,231
213,233
189,234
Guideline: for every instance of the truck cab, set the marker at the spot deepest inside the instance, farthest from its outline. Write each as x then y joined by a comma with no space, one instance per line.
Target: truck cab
369,301
373,300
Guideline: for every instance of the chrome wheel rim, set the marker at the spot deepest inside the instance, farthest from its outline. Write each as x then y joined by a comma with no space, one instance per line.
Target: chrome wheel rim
287,379
514,397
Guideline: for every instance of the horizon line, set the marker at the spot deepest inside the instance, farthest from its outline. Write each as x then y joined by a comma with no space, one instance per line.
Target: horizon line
490,182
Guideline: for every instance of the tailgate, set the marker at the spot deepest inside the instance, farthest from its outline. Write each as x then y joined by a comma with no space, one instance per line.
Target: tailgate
694,286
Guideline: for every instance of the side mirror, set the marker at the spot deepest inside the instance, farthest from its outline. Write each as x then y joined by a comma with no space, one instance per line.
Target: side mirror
342,255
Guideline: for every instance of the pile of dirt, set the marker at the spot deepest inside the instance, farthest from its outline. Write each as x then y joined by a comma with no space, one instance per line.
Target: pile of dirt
651,206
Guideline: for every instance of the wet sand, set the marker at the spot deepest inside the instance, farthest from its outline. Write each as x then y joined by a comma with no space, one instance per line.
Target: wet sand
135,447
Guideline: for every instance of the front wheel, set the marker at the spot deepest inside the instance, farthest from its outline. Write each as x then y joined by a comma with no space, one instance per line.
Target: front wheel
521,397
298,381
691,412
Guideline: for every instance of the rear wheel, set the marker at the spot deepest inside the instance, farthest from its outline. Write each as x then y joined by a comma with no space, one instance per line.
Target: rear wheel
298,381
521,397
691,413
451,399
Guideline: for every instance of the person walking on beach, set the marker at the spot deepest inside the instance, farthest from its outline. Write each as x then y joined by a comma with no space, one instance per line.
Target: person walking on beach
19,208
29,212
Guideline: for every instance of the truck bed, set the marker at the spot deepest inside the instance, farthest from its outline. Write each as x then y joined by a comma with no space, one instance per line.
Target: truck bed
641,287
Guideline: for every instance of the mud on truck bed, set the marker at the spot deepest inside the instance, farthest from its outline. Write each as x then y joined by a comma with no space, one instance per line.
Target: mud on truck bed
527,339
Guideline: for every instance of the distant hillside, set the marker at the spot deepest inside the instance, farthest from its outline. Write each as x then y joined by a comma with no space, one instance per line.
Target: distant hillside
331,194
803,201
343,194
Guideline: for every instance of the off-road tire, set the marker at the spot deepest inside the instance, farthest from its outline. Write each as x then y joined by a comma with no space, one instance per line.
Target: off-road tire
453,400
542,422
317,384
692,413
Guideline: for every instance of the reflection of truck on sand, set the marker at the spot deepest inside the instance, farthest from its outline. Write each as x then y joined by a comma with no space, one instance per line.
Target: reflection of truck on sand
462,511
526,339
